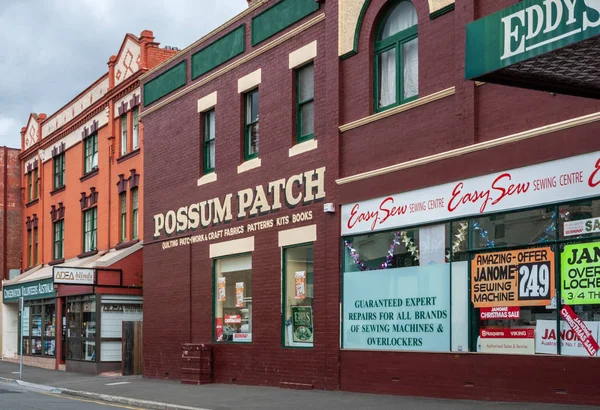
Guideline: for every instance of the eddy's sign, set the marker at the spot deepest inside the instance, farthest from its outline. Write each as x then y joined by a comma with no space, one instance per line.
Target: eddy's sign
526,30
302,188
556,181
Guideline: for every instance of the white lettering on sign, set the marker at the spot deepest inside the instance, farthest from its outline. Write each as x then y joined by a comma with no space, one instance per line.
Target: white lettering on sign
523,27
74,276
301,188
565,179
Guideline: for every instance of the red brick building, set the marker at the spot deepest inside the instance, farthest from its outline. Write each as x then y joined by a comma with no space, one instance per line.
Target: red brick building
442,233
82,195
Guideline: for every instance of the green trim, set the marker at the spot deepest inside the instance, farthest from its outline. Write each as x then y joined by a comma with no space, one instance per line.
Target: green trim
283,293
59,238
279,17
299,104
59,171
224,49
165,83
206,142
93,212
442,11
248,126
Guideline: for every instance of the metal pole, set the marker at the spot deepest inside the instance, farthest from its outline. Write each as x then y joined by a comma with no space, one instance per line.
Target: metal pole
21,303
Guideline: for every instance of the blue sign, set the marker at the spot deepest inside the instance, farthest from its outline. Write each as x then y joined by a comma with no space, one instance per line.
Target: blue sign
397,309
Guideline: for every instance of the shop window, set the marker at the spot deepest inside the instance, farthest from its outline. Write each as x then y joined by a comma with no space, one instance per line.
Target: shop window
90,229
209,141
90,147
134,213
39,328
396,57
305,103
298,296
59,236
233,302
123,134
136,126
81,328
515,228
59,171
123,216
579,220
251,125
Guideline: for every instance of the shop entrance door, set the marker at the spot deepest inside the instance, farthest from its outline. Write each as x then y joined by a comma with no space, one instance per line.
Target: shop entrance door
132,348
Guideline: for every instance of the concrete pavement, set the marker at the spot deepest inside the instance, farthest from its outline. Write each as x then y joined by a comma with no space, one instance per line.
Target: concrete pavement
138,392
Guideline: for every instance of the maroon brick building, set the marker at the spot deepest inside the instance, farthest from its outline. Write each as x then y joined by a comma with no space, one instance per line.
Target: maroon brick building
10,211
441,211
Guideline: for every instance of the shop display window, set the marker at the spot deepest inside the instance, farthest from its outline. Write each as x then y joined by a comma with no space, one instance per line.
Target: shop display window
39,328
233,300
81,328
298,296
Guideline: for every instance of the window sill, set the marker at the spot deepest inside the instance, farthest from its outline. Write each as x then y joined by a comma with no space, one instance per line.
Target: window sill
207,179
56,262
57,190
89,175
32,202
131,154
123,245
86,254
303,147
248,165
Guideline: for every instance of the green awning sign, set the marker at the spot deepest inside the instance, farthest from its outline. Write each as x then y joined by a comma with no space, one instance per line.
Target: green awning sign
39,289
528,29
580,274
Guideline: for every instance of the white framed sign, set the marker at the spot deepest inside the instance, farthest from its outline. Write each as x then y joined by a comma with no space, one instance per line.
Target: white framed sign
74,276
555,181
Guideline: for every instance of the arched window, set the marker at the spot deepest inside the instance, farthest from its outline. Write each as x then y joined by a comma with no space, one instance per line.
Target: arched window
396,57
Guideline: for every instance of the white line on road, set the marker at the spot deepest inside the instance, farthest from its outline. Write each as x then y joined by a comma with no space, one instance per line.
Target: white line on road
114,384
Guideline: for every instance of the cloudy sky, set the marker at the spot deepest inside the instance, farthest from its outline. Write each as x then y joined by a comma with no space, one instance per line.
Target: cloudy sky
51,50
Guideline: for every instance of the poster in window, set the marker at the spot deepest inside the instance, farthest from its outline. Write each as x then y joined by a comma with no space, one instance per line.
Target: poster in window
239,294
302,324
580,274
221,289
300,278
25,321
523,277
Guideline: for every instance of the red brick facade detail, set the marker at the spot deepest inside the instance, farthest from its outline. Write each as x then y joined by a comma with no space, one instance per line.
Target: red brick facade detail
10,211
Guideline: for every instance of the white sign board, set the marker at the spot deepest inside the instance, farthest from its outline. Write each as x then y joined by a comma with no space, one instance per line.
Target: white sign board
555,181
397,309
582,227
546,338
74,276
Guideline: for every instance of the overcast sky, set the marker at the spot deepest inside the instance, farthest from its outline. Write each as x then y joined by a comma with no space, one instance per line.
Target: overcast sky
51,50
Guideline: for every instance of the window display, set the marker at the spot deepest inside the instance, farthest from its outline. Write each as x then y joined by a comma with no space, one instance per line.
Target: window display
298,277
39,328
81,328
233,302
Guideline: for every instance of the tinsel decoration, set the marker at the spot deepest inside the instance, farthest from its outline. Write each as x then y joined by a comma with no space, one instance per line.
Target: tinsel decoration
484,235
355,257
550,229
389,258
410,246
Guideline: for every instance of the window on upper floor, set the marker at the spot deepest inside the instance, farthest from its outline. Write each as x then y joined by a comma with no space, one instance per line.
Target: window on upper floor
123,216
209,141
90,160
124,134
134,213
29,247
305,104
136,126
59,236
32,185
35,246
396,56
251,125
90,229
59,171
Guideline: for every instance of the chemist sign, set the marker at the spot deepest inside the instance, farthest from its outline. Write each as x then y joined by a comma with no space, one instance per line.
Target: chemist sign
397,309
523,277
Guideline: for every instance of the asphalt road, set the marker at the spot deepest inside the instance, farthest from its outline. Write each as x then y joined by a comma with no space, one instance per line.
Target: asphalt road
13,397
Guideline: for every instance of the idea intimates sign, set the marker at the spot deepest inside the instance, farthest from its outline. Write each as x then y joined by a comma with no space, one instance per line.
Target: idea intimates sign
556,181
299,189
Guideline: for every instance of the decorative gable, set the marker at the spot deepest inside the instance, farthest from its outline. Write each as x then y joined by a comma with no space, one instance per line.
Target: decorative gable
31,132
128,60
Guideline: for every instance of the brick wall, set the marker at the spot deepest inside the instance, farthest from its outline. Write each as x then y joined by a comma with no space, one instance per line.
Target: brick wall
10,211
178,282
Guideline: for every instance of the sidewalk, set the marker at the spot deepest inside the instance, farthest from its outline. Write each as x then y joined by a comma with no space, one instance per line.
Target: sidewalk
140,391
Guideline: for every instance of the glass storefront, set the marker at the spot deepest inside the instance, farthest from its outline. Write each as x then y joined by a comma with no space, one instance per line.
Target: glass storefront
81,328
39,328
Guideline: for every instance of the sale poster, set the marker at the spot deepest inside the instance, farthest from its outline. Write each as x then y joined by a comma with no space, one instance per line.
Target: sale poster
546,338
523,277
239,294
221,289
582,332
500,313
300,278
233,319
580,274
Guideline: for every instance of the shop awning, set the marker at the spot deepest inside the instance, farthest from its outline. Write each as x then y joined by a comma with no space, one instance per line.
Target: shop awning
544,45
115,255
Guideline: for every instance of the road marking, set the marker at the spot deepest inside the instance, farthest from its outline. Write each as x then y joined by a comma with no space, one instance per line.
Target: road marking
92,401
16,372
114,384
